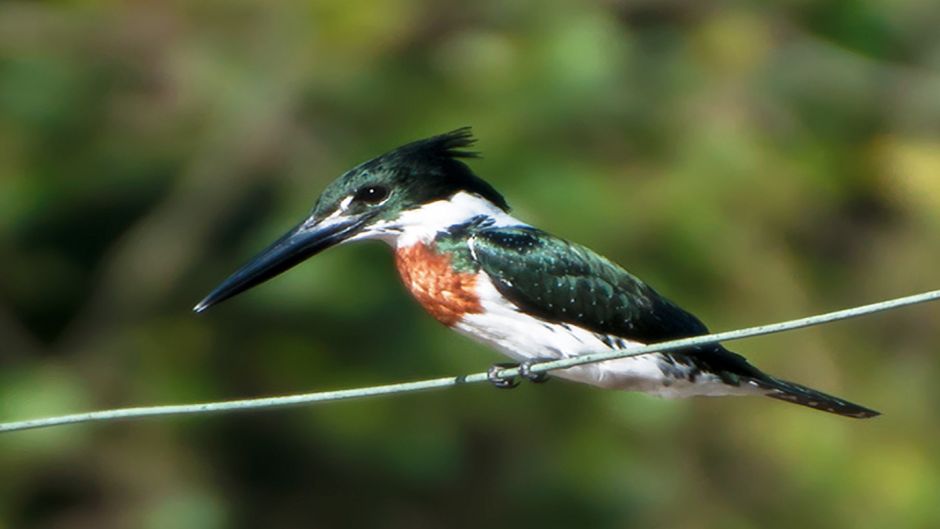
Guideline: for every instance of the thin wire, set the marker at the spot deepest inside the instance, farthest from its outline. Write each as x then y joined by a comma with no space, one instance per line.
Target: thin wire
435,383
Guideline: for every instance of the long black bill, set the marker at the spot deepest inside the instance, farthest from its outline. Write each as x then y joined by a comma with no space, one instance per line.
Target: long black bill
293,247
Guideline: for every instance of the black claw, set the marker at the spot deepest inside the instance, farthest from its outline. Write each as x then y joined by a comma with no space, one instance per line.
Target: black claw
525,371
498,381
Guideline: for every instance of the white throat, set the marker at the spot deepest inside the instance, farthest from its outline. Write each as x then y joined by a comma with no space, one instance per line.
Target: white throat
424,223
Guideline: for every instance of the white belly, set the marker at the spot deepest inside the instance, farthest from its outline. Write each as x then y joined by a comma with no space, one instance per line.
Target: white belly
522,337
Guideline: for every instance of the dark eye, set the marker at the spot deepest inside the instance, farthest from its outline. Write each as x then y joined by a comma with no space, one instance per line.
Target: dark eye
371,194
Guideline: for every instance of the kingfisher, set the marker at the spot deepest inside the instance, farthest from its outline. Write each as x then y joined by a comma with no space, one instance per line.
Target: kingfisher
529,294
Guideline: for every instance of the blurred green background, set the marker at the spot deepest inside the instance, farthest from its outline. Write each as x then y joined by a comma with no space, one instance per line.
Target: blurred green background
754,161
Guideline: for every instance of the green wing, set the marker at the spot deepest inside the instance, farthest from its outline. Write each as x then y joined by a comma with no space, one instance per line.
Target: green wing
562,281
565,282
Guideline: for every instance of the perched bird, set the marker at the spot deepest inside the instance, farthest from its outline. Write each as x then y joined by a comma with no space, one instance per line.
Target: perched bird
531,295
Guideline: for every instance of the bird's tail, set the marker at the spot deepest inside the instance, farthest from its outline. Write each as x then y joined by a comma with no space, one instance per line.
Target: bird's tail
804,396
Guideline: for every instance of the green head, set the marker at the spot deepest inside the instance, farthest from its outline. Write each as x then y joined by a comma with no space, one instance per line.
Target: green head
406,178
366,202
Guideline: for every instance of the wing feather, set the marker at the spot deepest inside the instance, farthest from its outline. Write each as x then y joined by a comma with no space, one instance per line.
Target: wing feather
561,281
558,280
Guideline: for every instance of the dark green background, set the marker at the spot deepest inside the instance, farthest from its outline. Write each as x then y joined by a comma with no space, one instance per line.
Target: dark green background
755,161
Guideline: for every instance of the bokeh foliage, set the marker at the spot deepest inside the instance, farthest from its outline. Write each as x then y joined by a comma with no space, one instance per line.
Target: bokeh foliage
754,161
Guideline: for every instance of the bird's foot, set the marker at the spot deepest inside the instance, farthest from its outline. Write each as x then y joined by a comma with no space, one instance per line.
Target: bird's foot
525,371
498,381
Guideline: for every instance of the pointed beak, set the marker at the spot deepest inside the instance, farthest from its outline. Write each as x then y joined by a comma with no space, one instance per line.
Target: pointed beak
305,240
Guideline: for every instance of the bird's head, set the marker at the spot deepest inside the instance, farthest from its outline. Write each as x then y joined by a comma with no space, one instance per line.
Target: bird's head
370,201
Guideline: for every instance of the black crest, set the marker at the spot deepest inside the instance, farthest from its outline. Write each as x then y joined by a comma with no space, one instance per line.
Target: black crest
437,163
450,145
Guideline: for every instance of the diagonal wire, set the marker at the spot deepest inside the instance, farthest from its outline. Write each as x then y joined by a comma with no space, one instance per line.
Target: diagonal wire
435,383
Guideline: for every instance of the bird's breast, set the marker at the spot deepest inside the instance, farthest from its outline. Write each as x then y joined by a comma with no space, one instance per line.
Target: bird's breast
446,293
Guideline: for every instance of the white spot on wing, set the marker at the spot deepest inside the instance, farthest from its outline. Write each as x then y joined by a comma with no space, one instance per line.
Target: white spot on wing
471,245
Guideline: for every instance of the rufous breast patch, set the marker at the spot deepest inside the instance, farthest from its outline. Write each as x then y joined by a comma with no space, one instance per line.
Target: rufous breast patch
444,292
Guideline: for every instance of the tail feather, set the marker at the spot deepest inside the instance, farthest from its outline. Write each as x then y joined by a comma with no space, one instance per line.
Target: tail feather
804,396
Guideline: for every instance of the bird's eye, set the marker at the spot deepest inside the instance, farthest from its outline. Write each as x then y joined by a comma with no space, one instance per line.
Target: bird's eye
371,194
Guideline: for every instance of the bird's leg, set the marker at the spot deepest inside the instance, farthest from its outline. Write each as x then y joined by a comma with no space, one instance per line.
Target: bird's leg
501,382
525,371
